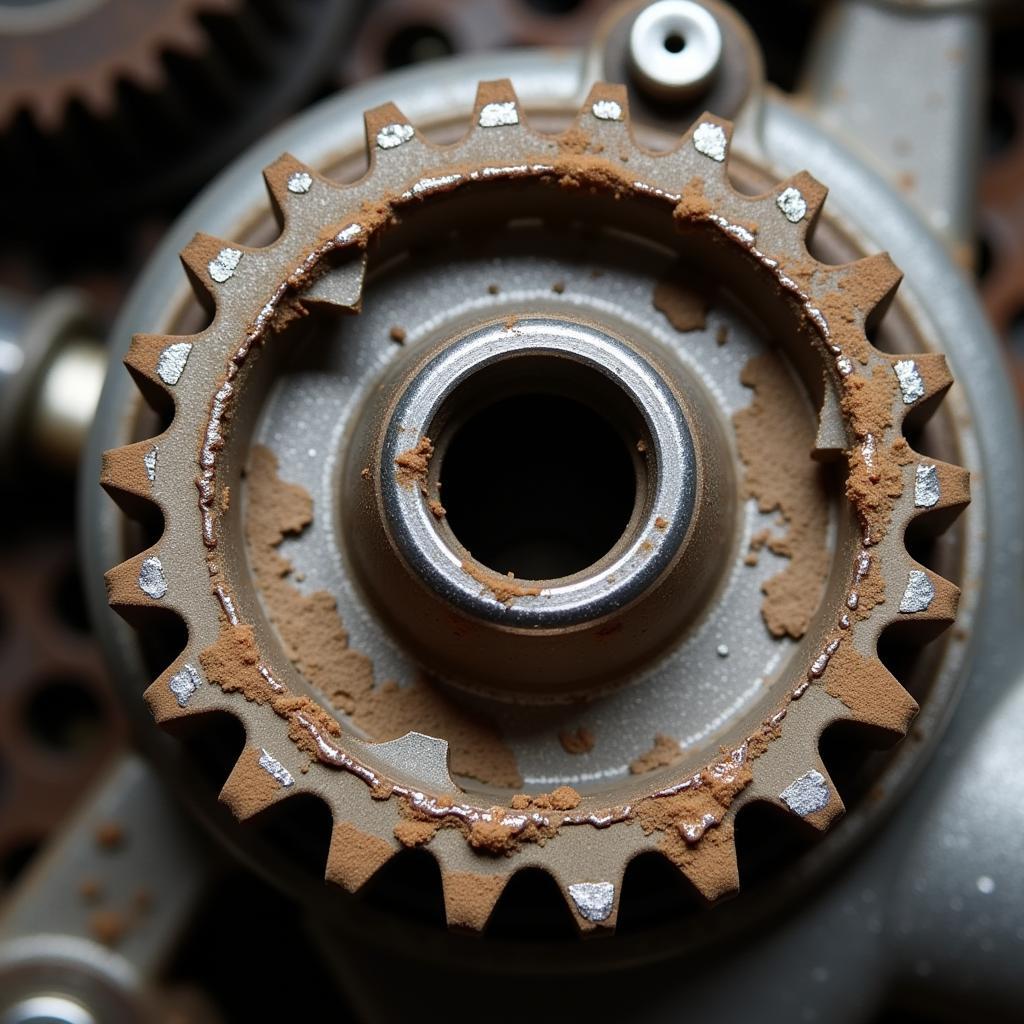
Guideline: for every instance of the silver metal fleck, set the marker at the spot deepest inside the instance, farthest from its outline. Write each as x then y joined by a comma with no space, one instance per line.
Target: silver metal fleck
709,140
926,486
171,364
722,650
594,900
497,115
607,110
275,769
183,684
223,267
151,578
808,794
919,593
149,461
792,204
911,382
300,182
392,135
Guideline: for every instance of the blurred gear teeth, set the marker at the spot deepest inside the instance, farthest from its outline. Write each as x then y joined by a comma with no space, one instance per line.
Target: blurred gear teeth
375,791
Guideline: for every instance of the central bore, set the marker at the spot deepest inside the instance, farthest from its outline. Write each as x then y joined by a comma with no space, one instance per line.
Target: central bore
540,485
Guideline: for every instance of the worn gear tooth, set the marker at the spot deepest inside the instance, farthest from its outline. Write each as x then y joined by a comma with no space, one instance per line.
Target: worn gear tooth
355,856
470,898
799,200
210,264
258,781
138,585
287,180
594,905
180,690
128,474
605,114
497,106
926,598
158,362
923,378
941,491
707,141
388,131
874,281
879,700
710,866
812,797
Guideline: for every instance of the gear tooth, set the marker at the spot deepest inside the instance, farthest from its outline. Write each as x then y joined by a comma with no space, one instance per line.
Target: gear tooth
711,866
355,856
286,179
879,700
497,106
177,691
387,129
594,905
138,585
128,474
941,491
605,111
877,278
158,362
812,797
927,598
185,37
707,139
211,263
470,898
800,199
258,781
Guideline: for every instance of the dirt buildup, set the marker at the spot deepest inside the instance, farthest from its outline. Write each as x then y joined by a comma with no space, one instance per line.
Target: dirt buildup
437,510
666,751
470,898
397,335
315,640
109,835
109,927
414,463
504,588
576,741
871,692
565,798
685,308
775,435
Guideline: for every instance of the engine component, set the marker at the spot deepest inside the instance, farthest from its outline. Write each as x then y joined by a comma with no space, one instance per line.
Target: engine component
743,700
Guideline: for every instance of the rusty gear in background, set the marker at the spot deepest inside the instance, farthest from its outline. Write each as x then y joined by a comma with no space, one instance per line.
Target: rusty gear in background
514,651
145,100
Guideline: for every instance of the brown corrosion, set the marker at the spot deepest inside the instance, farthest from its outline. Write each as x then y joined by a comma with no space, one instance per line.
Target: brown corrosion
316,641
414,463
775,435
685,308
665,751
503,588
576,741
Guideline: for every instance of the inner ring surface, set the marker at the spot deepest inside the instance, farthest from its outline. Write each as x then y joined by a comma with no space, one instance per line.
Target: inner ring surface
666,496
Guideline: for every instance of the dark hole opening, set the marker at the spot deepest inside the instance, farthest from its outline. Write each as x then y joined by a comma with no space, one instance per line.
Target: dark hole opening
415,44
539,485
675,42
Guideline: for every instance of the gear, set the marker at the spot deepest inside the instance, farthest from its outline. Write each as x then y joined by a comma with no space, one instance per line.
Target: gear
56,52
525,651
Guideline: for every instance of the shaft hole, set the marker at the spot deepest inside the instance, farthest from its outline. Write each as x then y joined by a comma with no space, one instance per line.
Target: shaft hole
675,42
540,485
